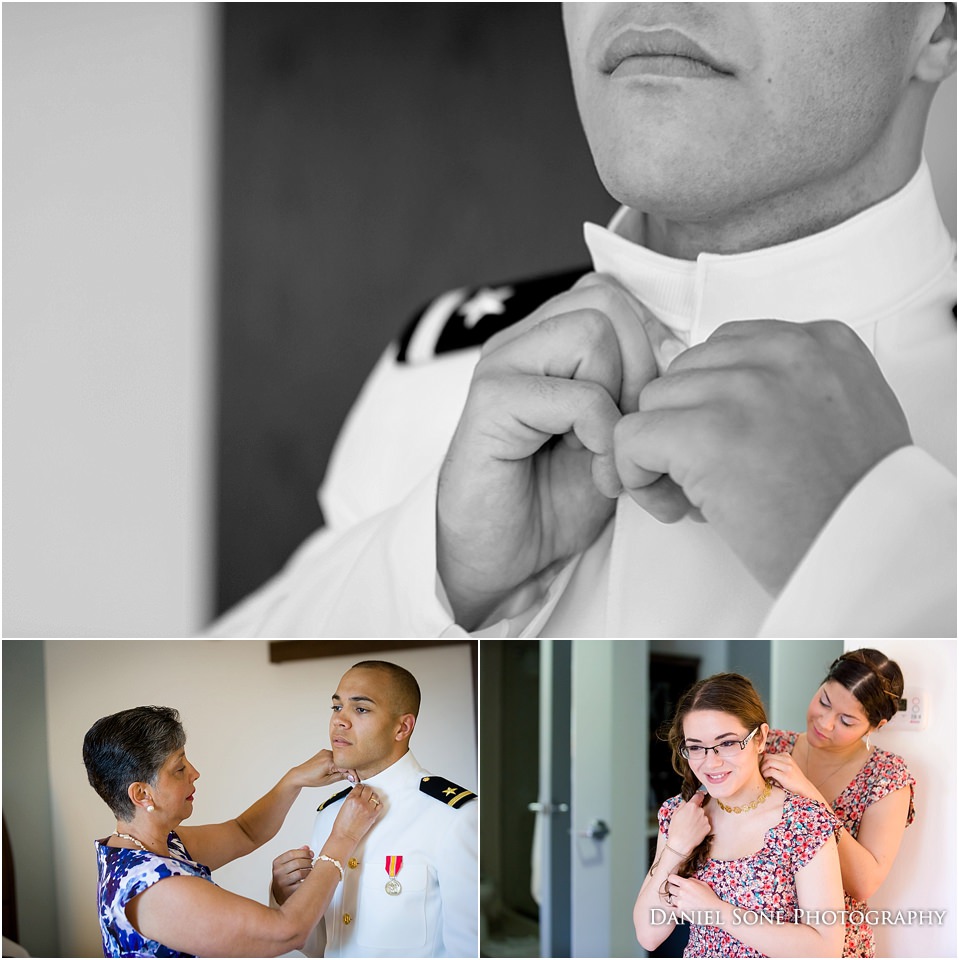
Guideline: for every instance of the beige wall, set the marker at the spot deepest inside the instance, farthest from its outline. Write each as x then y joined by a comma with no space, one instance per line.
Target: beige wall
247,722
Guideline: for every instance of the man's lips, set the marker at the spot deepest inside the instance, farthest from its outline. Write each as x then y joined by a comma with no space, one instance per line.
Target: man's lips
340,742
660,51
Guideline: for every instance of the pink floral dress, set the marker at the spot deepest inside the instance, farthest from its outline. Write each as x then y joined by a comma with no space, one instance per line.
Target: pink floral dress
883,773
764,881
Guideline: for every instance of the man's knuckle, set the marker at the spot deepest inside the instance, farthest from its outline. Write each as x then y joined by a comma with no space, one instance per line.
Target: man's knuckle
583,331
628,430
593,324
595,398
544,388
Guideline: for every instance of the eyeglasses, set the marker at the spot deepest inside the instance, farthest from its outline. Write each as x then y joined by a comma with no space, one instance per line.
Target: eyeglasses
728,748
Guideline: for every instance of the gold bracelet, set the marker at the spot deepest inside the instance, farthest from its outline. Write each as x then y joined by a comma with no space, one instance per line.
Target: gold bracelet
673,850
336,863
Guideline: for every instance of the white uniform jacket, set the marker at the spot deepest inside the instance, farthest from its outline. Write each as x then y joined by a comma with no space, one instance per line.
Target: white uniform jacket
884,564
435,914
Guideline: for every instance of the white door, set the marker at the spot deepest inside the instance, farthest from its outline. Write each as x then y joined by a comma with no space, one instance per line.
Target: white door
609,773
592,857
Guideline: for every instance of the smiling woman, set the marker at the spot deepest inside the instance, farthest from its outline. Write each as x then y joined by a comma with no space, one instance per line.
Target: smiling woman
870,790
759,876
156,894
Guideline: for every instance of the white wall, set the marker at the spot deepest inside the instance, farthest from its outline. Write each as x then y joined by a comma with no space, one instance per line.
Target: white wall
924,874
247,722
109,124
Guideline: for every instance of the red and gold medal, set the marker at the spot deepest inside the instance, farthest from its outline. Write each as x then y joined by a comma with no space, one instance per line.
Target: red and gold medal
393,865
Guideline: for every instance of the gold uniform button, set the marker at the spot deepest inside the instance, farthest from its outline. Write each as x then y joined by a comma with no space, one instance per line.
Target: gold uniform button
352,863
347,919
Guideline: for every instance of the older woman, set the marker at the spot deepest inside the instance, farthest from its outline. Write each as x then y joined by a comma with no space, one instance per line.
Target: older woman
156,894
871,790
751,867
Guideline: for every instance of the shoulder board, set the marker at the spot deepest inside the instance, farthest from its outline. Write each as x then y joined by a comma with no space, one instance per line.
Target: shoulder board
469,316
446,791
329,801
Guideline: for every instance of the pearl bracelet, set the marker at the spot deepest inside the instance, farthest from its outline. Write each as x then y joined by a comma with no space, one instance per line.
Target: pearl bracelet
336,863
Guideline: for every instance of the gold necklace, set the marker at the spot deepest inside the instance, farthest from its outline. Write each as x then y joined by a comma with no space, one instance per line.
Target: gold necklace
829,776
762,798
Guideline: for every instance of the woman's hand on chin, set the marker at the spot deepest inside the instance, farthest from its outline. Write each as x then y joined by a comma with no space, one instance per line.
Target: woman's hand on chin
321,771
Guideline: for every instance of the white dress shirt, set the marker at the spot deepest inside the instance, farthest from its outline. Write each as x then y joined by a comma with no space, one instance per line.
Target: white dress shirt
884,564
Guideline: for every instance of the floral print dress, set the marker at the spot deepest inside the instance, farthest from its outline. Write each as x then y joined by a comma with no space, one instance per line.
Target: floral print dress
123,874
764,881
883,773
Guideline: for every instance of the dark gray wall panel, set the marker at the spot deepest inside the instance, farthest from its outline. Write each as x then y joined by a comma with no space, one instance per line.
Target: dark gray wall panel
374,155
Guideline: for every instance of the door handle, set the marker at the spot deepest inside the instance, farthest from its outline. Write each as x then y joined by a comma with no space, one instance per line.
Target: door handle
548,808
597,830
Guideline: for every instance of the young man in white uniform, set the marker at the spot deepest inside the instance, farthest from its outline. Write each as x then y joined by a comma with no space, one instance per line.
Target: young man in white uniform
767,344
411,887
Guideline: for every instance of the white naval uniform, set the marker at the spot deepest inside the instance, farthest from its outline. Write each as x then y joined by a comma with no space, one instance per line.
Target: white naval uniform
884,564
436,912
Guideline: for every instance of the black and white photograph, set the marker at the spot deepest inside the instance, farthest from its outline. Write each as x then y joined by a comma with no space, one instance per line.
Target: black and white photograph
503,320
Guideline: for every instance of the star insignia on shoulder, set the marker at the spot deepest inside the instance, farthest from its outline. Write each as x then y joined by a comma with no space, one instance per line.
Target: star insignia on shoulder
446,792
486,302
468,316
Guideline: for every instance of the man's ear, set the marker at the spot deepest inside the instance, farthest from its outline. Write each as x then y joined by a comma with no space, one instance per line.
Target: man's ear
937,59
405,724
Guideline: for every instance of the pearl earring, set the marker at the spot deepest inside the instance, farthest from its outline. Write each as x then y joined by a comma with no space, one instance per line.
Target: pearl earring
150,808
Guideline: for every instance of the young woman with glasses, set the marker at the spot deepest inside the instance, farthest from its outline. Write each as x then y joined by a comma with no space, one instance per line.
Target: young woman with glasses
870,790
752,868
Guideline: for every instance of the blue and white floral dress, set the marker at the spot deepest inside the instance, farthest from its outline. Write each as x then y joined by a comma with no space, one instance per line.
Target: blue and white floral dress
125,873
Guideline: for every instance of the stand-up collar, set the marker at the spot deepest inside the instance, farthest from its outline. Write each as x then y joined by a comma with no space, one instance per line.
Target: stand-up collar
858,272
398,773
